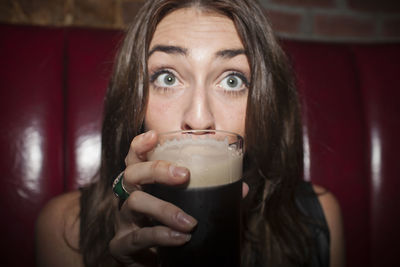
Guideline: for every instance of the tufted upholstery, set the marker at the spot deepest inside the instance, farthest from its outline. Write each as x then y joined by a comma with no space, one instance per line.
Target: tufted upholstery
52,83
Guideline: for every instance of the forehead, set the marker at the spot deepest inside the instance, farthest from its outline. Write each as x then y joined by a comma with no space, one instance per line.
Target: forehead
190,27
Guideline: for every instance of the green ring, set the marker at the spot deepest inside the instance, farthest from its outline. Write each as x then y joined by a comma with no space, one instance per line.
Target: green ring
119,189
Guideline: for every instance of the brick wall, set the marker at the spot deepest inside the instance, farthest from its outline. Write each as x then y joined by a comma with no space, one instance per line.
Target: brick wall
82,13
326,20
335,20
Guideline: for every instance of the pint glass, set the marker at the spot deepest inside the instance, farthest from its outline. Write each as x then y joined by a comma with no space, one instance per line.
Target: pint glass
212,196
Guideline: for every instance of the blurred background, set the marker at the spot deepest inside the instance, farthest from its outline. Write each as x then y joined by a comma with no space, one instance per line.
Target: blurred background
327,20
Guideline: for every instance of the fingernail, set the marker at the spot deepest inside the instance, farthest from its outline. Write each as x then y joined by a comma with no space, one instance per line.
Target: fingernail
181,236
186,220
178,171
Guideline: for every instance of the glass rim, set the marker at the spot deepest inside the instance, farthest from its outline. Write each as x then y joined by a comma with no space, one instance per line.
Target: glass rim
201,130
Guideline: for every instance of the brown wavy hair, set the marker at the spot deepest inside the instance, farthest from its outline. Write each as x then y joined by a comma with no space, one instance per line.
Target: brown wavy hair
274,234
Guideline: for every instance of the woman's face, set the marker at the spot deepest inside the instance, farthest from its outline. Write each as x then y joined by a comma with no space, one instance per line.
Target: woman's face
199,74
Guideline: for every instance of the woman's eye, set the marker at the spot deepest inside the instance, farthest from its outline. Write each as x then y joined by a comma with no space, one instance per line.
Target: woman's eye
232,82
166,80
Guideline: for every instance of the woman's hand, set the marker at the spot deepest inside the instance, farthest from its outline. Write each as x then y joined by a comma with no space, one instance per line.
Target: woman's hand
133,242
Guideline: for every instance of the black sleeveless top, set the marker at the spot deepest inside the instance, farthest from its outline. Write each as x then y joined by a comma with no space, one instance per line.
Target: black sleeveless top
308,203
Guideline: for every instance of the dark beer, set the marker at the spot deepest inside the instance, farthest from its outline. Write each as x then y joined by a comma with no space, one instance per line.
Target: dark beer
216,239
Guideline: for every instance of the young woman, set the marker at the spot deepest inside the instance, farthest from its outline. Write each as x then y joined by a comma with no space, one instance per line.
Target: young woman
196,65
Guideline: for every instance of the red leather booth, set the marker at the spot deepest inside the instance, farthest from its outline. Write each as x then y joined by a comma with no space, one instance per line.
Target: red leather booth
52,83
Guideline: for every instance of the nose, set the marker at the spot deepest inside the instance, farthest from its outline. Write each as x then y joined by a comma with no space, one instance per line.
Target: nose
198,114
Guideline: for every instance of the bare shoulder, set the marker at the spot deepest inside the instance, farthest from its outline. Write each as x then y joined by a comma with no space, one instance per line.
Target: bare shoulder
333,216
328,202
57,232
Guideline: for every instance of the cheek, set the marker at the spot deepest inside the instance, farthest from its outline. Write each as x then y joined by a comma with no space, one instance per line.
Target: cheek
160,115
239,120
232,117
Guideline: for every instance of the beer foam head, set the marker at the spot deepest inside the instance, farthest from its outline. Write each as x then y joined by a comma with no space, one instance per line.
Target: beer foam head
211,162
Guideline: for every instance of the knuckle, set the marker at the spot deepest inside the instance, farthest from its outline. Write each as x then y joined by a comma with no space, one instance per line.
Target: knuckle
159,234
133,199
155,165
132,145
128,176
129,170
154,234
165,209
170,211
176,214
135,237
112,246
136,139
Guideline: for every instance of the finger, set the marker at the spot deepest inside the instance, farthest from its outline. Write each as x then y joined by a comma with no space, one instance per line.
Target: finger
139,239
140,145
162,211
151,172
245,190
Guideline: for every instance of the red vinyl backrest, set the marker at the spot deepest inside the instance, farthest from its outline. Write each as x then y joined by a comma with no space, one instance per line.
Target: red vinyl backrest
90,56
334,134
31,134
378,68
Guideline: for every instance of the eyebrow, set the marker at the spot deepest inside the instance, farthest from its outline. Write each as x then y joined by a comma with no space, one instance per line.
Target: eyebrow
169,49
230,53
